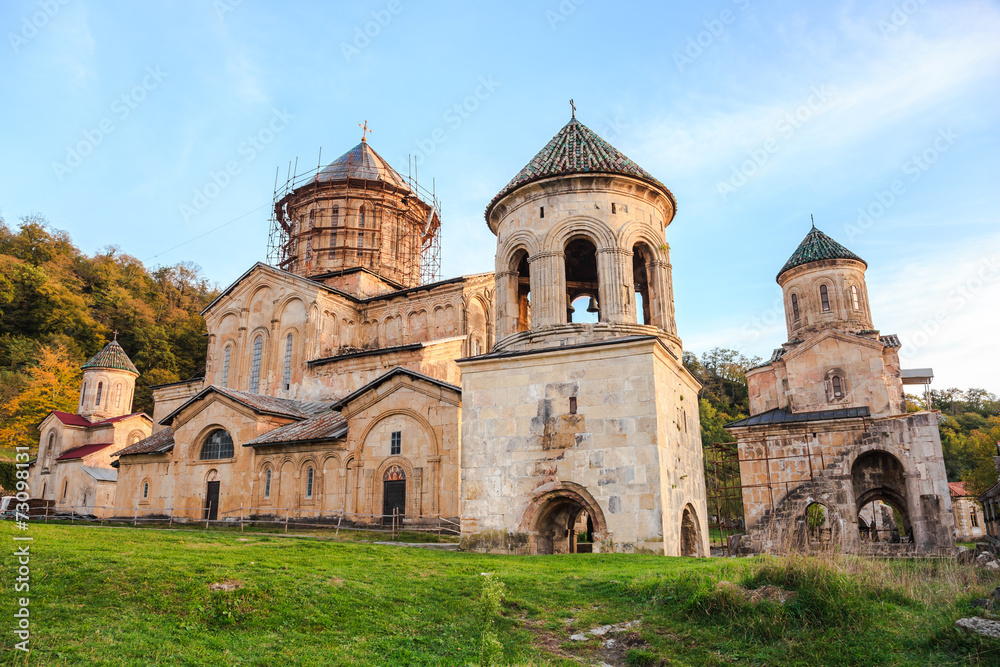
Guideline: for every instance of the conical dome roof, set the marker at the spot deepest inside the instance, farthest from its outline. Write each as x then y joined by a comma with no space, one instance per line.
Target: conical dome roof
817,246
361,162
576,149
112,356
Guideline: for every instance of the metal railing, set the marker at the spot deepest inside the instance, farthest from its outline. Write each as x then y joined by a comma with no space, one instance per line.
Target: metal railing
285,517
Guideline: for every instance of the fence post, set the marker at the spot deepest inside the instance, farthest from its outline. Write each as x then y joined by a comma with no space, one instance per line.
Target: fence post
135,517
208,515
241,518
337,532
287,511
170,517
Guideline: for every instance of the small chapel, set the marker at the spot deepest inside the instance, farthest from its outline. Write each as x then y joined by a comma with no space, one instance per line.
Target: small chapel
345,380
829,458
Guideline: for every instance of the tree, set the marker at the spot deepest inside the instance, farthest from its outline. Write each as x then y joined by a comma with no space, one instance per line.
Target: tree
50,384
984,443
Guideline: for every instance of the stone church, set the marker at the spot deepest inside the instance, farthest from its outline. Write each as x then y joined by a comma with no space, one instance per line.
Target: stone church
829,448
545,398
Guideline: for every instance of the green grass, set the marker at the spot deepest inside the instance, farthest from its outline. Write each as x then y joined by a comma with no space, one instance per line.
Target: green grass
124,596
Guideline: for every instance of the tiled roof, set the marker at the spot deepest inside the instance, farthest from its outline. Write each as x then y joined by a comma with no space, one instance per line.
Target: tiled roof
80,452
80,420
282,407
70,419
101,474
957,489
324,427
361,162
782,416
817,246
576,149
161,441
112,356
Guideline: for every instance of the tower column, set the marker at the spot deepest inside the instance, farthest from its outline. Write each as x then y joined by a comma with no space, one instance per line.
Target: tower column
506,282
614,272
548,289
664,318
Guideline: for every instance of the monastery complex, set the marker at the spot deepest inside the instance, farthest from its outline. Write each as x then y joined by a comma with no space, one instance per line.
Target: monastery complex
544,398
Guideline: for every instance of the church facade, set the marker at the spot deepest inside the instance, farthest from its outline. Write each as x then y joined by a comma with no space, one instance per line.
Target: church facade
545,398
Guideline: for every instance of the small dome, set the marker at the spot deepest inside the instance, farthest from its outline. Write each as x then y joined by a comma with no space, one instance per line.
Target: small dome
361,162
576,149
815,247
112,356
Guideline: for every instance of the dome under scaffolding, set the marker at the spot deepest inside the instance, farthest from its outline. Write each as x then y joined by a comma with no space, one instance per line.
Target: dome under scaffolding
356,213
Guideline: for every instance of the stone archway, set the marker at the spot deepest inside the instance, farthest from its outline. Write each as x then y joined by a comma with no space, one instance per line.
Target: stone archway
558,514
691,542
879,480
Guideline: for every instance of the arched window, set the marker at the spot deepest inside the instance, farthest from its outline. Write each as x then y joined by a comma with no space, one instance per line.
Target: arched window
83,392
48,449
226,355
218,445
145,490
521,290
65,488
361,217
396,443
118,395
838,387
100,388
258,349
335,215
855,299
824,297
582,278
309,482
795,307
267,482
286,376
641,258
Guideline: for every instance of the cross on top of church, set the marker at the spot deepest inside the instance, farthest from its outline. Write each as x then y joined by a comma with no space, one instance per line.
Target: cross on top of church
364,131
115,332
573,107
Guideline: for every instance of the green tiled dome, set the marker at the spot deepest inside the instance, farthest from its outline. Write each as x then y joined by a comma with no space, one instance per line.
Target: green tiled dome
112,356
817,246
577,149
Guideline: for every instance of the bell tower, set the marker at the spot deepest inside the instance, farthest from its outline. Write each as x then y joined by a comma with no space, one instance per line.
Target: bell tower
581,252
582,419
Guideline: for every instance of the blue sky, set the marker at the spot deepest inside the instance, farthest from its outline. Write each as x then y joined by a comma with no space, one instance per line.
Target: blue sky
146,125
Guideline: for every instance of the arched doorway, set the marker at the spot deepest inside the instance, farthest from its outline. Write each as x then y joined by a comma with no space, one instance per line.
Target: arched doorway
393,494
561,515
880,498
691,541
212,491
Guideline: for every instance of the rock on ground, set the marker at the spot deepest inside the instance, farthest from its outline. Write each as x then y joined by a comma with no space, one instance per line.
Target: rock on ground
979,626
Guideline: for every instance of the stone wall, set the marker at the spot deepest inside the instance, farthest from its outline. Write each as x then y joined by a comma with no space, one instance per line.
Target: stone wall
842,464
595,425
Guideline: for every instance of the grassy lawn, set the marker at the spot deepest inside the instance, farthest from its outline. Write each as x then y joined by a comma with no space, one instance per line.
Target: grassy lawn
123,596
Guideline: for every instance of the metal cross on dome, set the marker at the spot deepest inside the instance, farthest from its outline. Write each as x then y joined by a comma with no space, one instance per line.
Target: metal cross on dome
364,131
573,107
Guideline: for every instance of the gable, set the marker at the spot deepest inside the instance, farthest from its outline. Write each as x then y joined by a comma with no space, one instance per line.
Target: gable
399,380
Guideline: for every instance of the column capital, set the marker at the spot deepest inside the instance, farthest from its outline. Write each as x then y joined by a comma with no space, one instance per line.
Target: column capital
545,254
